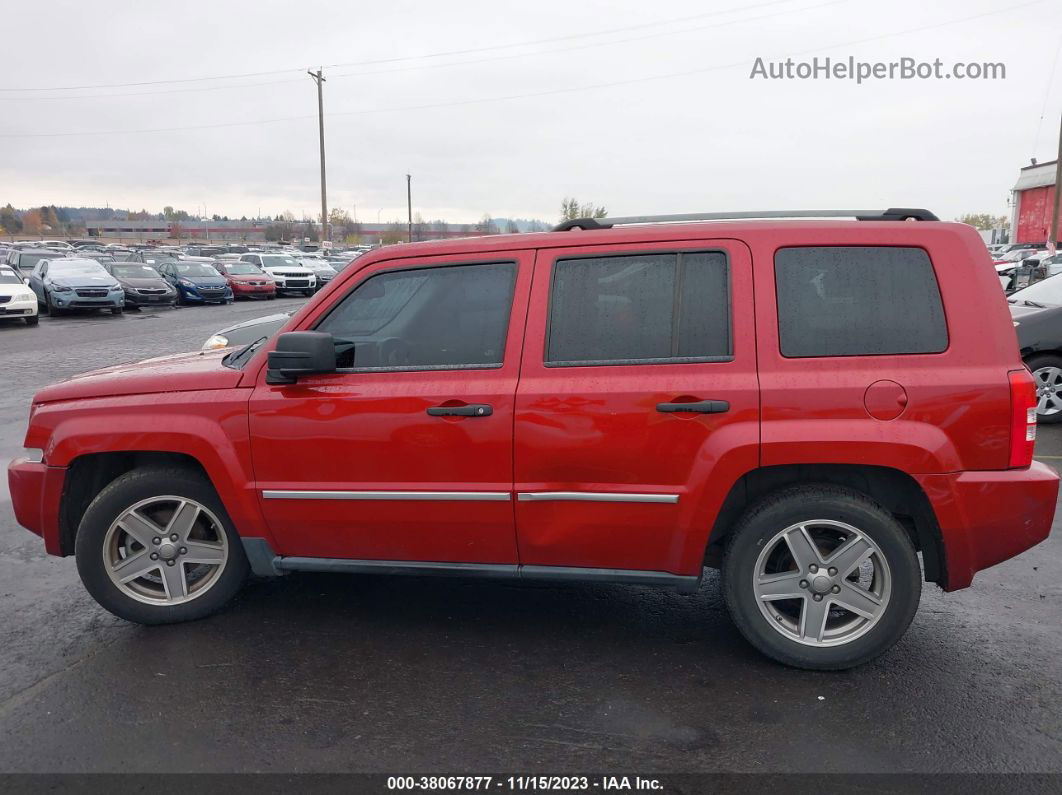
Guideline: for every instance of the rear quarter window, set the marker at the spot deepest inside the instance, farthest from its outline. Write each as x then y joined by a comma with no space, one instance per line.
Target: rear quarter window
858,301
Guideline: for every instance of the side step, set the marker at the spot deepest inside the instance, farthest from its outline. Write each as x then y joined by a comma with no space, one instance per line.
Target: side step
264,563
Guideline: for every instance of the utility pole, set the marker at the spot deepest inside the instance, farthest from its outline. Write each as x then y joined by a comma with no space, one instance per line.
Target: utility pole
1058,190
409,207
319,78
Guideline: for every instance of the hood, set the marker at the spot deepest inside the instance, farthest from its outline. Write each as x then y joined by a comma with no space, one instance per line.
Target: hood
204,281
1019,312
181,373
250,277
83,280
144,281
280,317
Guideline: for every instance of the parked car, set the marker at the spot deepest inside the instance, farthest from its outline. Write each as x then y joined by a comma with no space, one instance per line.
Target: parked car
1037,316
604,405
72,283
246,280
287,273
17,301
24,260
143,285
196,282
247,332
321,269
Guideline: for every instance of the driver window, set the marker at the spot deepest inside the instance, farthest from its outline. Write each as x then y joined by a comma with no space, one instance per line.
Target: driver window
450,317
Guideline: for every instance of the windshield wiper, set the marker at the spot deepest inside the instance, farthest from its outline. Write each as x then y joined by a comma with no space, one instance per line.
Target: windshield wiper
237,358
1027,302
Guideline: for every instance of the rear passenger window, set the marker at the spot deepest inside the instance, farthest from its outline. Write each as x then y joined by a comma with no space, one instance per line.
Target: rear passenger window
857,301
644,308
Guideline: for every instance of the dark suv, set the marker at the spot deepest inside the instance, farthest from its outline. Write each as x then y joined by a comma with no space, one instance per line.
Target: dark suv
807,405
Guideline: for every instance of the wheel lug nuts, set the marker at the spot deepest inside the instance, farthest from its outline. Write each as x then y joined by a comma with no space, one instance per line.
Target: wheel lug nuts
170,563
803,583
154,555
156,541
174,537
813,568
817,597
833,571
836,589
184,550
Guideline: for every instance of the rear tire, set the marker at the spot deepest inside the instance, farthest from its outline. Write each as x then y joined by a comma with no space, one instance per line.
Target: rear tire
127,531
789,599
1047,372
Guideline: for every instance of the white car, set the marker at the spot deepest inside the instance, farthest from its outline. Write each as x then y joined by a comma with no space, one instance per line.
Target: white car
290,276
17,300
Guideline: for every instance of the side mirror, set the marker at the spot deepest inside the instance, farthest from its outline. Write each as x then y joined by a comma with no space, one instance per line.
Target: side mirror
301,353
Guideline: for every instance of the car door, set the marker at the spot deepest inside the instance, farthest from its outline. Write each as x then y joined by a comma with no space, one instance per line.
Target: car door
405,453
36,279
638,404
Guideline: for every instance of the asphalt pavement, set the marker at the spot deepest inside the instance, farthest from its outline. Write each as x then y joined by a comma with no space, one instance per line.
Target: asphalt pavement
331,673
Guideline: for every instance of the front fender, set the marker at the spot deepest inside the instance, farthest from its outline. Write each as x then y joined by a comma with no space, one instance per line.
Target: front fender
210,426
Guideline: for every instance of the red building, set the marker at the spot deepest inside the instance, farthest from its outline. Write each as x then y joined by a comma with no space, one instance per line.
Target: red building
1034,199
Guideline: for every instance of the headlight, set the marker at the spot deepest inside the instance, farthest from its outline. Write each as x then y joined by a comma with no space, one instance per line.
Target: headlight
26,296
61,288
215,342
1016,323
185,282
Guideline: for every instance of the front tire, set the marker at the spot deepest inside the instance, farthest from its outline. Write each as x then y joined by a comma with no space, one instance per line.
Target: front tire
1047,372
116,310
308,293
33,320
52,309
156,546
821,577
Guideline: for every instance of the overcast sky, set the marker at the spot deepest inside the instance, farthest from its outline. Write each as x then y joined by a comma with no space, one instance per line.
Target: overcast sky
683,127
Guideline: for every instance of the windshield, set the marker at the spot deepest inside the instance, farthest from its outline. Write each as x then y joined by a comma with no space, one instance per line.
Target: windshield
27,261
135,272
1017,255
241,269
74,268
9,277
277,261
1046,293
195,269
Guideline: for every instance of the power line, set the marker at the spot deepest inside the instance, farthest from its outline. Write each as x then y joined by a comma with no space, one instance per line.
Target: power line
379,61
535,94
415,67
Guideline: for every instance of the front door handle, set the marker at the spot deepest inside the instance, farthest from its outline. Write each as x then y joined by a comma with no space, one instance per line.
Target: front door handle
701,407
470,410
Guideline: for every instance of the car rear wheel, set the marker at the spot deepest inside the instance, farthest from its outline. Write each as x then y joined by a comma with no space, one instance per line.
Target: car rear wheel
1047,372
821,577
156,547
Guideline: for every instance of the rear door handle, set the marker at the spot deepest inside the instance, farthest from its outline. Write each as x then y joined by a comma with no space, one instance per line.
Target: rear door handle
701,407
471,410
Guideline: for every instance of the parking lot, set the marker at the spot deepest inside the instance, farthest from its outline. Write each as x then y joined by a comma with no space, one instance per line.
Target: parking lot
318,672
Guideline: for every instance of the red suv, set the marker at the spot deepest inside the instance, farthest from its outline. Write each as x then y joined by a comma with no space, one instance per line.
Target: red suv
805,404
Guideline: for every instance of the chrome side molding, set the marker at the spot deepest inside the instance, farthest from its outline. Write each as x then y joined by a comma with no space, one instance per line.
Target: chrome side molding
467,496
593,496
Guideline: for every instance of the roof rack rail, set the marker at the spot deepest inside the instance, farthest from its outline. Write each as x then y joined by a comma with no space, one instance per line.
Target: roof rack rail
891,214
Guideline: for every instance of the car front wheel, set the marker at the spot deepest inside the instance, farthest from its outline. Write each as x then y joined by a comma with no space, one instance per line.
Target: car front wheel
821,577
156,547
1047,372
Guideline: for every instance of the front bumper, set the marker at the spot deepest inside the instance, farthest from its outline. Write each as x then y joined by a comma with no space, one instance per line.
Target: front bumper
253,291
36,491
988,517
24,307
154,299
71,300
193,295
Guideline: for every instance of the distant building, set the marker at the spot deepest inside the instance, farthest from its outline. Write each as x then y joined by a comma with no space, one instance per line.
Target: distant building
1034,199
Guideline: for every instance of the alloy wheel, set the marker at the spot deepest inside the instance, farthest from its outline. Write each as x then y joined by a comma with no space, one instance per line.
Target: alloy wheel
822,583
165,550
1048,389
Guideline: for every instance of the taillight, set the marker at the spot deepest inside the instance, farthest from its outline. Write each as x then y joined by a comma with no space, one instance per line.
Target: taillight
1022,418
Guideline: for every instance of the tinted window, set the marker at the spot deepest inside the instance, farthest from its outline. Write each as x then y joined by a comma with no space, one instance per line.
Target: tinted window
646,307
430,317
858,301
